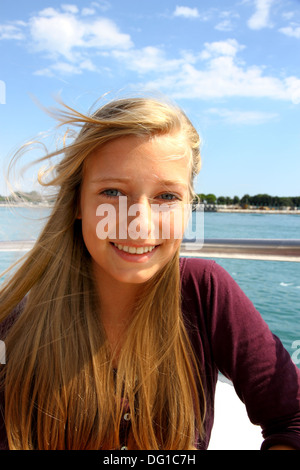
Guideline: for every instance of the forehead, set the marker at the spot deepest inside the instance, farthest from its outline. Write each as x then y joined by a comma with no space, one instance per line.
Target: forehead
160,154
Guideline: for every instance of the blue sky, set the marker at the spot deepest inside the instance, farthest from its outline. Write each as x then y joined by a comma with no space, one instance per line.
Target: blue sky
233,66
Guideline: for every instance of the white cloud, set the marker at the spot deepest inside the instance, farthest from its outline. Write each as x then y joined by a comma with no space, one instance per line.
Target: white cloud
148,59
55,33
224,25
261,18
103,33
243,117
288,15
45,72
293,84
88,11
227,21
221,74
186,12
230,47
103,5
11,31
70,39
74,43
66,34
292,30
66,68
70,9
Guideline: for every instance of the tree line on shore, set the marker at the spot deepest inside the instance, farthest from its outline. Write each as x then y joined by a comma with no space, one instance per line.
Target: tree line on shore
32,196
259,200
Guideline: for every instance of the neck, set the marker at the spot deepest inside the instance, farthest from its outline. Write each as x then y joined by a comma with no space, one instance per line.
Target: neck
117,301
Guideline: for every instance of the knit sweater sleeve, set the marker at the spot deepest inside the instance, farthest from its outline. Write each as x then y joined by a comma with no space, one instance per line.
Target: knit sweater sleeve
254,359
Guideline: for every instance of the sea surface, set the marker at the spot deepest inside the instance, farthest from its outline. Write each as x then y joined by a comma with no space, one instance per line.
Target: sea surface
272,286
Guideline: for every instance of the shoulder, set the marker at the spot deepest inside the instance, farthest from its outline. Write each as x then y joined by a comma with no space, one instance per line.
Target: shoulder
204,282
202,272
196,276
190,267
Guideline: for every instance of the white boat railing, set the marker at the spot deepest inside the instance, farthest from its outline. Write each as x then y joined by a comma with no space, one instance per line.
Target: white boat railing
244,248
239,248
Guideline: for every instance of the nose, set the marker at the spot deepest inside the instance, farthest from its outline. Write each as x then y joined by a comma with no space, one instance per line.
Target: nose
139,219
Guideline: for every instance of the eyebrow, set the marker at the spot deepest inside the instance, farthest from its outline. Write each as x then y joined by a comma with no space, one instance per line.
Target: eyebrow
172,183
126,179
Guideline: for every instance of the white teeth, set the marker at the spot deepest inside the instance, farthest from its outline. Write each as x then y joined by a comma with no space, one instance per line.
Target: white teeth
135,250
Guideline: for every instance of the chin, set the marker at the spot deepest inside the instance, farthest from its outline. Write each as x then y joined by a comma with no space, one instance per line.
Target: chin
139,277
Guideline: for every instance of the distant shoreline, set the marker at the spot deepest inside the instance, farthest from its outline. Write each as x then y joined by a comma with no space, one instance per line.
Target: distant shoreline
259,211
44,205
29,205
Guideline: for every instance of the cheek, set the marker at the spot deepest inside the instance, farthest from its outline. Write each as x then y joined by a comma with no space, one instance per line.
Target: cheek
89,224
173,221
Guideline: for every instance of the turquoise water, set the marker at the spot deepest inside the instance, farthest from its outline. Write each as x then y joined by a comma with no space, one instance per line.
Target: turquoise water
273,286
21,223
239,225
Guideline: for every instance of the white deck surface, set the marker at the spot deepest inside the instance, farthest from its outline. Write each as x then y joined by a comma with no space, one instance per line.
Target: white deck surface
232,428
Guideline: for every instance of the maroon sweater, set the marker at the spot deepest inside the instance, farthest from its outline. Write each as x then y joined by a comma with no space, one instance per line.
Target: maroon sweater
229,335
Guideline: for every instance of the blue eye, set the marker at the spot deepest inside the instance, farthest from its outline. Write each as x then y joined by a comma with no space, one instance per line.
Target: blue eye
112,193
168,197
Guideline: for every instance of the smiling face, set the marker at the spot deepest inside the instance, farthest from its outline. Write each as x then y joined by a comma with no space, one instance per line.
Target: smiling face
128,179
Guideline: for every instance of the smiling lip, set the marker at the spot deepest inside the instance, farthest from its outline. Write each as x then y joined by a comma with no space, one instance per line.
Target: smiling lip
139,250
137,253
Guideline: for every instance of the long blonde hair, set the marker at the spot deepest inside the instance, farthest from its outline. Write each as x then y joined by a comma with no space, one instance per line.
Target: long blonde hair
61,388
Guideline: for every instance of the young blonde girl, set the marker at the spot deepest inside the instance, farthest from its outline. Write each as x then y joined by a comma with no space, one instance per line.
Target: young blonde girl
99,353
60,384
